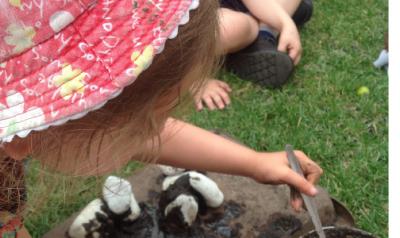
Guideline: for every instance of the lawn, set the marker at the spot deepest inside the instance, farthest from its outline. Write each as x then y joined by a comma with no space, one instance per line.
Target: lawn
318,112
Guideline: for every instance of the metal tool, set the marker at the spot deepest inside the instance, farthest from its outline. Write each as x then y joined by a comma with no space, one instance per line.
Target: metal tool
309,201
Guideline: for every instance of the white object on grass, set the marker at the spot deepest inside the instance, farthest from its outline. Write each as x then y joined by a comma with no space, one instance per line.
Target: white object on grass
382,60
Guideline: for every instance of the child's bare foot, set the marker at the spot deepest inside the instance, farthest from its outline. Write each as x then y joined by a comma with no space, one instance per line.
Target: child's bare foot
214,95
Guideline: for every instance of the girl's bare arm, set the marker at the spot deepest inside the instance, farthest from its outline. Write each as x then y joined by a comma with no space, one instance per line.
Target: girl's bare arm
187,146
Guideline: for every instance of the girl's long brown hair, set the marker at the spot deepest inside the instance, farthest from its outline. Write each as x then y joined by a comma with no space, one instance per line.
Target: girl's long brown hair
129,126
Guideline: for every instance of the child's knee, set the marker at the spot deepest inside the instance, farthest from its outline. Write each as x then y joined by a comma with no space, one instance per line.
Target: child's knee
237,29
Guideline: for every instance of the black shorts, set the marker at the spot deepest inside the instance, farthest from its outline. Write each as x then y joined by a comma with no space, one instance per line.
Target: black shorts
301,16
235,5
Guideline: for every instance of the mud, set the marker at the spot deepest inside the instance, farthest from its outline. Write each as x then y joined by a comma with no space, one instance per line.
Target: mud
280,225
342,232
218,223
250,210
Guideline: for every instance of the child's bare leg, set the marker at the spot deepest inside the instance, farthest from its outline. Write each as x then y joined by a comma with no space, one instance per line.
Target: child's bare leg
237,30
290,6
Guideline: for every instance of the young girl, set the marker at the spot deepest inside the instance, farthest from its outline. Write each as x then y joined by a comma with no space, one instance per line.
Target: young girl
86,86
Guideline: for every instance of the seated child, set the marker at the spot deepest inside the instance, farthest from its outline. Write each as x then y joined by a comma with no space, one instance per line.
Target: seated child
249,35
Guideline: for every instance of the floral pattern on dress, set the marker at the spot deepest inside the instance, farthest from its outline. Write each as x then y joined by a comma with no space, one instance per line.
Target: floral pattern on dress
15,3
142,60
20,37
70,81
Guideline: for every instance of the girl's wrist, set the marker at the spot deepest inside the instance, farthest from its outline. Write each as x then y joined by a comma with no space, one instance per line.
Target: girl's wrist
285,22
253,164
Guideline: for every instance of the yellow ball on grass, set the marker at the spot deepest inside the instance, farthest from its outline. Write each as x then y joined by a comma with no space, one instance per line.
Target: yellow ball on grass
362,91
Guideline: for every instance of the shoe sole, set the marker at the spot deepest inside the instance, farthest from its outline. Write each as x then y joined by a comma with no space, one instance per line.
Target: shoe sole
267,68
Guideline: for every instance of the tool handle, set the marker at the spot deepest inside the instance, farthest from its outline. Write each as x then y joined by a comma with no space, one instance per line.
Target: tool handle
309,202
294,163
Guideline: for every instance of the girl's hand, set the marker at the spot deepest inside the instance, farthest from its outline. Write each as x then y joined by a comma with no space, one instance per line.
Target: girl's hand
215,94
273,168
289,41
272,14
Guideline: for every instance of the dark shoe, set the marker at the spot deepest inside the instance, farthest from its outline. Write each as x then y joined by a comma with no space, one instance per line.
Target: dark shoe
303,13
261,62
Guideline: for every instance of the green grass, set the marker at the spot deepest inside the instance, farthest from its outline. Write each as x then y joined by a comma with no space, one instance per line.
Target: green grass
318,112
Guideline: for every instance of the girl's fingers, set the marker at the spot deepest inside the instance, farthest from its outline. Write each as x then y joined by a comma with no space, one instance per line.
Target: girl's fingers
282,46
215,95
209,102
224,97
218,101
199,105
311,170
224,86
296,200
300,183
295,54
298,57
313,177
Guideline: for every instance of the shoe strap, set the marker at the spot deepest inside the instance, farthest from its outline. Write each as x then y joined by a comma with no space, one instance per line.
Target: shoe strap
268,36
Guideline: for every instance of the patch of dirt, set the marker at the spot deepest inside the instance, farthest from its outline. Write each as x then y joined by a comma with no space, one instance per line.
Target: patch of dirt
341,232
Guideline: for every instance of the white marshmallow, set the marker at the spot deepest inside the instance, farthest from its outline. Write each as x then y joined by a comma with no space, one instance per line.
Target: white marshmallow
188,207
117,193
